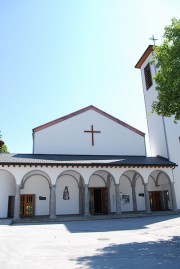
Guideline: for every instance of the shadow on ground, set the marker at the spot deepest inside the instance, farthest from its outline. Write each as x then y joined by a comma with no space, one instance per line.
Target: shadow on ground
115,224
108,225
161,254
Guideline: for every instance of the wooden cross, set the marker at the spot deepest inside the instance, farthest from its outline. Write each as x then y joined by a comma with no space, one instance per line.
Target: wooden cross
92,133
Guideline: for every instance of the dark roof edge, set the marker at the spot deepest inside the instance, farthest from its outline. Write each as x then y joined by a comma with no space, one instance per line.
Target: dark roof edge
144,56
41,127
87,164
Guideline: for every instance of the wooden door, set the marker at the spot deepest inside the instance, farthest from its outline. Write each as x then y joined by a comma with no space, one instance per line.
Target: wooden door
91,201
11,207
104,194
97,201
155,200
166,200
27,205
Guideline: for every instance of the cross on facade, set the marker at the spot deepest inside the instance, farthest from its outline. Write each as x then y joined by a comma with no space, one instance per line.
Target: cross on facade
153,39
92,133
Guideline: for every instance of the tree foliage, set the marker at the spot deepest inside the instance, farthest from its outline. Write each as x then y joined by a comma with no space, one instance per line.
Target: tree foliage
167,78
3,147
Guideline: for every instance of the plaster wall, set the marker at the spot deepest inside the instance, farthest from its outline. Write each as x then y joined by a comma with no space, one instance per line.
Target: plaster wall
7,188
96,182
155,122
71,206
68,137
126,189
158,130
39,186
140,199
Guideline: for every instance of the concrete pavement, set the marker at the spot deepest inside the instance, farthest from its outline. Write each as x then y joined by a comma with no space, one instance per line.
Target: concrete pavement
149,242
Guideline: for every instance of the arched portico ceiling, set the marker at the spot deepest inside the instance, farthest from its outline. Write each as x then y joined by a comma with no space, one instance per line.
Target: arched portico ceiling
8,173
132,176
34,173
156,174
76,175
106,176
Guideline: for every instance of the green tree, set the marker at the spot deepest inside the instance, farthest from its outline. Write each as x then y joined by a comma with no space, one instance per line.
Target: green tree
3,147
167,78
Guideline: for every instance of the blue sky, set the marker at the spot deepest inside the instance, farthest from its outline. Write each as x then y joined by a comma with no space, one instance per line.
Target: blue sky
60,56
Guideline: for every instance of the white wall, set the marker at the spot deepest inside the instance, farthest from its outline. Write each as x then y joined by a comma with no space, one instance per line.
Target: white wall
71,206
96,181
140,200
126,189
157,131
68,137
39,186
7,188
155,122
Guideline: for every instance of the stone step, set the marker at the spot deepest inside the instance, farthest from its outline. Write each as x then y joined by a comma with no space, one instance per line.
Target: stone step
59,219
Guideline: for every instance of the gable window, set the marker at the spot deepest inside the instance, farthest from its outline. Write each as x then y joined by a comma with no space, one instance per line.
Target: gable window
147,75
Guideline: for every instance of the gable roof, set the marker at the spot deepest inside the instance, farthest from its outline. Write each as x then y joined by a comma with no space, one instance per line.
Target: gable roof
84,160
78,112
144,56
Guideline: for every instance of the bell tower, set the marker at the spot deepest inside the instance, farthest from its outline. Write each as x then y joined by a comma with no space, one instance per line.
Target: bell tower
164,134
156,124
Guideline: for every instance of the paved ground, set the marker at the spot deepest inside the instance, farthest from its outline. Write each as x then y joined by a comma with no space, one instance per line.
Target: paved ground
142,243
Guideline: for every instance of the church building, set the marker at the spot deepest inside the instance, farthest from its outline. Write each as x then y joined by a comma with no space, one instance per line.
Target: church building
89,162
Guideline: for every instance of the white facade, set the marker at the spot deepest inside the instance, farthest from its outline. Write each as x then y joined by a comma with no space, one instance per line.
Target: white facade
40,181
89,162
68,136
163,132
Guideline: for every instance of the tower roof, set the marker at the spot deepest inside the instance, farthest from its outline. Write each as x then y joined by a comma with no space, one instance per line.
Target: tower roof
144,56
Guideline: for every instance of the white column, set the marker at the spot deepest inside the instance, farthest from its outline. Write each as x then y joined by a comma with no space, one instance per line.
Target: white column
86,200
118,199
53,202
147,202
17,203
134,197
80,200
174,205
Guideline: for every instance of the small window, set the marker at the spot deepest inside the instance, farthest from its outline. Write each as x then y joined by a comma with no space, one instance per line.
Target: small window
147,75
125,198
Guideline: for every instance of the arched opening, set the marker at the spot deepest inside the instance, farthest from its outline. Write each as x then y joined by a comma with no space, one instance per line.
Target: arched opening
126,191
101,193
69,193
35,194
159,189
132,191
7,194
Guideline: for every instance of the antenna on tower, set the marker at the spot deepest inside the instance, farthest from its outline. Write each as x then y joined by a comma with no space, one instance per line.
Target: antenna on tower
153,39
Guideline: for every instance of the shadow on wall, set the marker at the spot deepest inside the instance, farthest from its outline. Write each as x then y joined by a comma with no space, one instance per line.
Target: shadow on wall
162,254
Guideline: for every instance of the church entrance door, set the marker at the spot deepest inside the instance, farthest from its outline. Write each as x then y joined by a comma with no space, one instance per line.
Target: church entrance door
98,200
159,200
11,207
27,205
